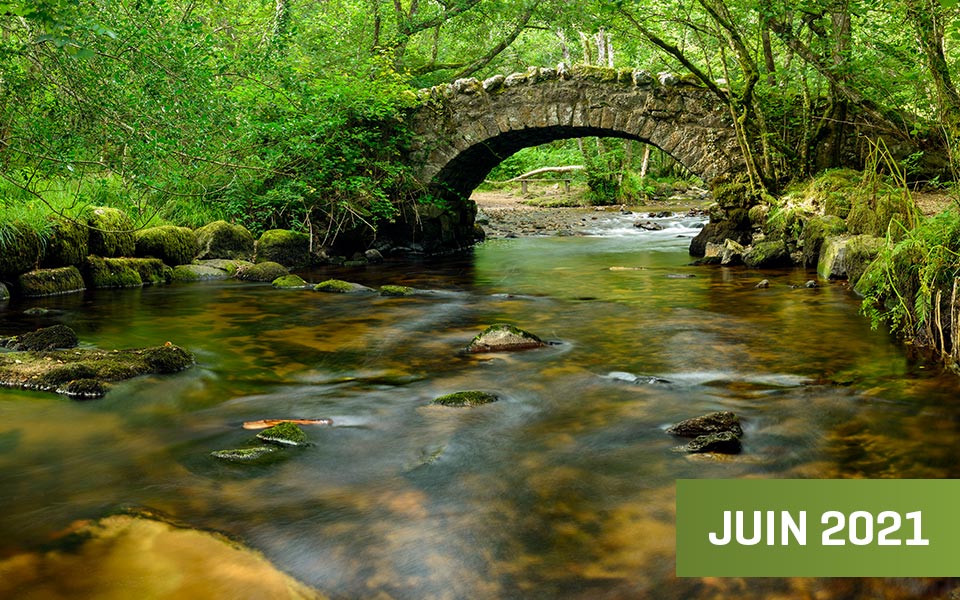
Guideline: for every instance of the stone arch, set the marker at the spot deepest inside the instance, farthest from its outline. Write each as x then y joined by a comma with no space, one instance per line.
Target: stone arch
463,130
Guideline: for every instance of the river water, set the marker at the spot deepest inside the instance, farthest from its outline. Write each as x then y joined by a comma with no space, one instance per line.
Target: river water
564,488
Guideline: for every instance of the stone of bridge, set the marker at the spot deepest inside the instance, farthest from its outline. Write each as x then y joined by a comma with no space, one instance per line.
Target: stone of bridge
465,129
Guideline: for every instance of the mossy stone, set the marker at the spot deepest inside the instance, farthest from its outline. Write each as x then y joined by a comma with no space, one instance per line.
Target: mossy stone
197,273
111,232
465,399
289,282
67,242
20,250
503,337
172,245
47,338
337,286
767,255
289,248
152,271
724,442
815,230
732,193
221,239
229,266
709,423
284,434
51,282
67,373
83,389
246,455
167,359
110,273
595,73
264,272
396,290
862,219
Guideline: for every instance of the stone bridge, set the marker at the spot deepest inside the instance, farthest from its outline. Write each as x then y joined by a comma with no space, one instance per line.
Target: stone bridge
465,129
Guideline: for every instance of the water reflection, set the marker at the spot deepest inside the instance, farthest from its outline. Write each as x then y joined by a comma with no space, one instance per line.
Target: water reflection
563,488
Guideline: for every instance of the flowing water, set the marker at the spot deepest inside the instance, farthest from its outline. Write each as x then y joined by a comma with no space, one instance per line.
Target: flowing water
564,488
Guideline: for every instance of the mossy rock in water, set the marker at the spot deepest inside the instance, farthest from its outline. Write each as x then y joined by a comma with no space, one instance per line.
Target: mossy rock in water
110,273
465,399
396,290
110,232
79,372
290,282
19,248
284,434
504,338
714,422
224,240
265,272
254,454
198,273
172,245
815,230
724,442
229,266
337,286
289,248
152,271
47,338
67,242
767,255
51,282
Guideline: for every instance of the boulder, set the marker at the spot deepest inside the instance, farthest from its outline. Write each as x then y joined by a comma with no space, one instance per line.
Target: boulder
264,271
338,286
373,256
284,434
465,399
172,245
289,248
110,273
224,240
289,282
229,266
19,250
110,232
48,338
724,442
51,282
846,257
715,422
198,273
67,242
85,372
734,225
152,271
504,338
767,255
731,253
815,230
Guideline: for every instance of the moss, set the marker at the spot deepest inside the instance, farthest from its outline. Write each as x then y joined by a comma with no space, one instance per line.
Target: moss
285,434
767,255
51,282
815,230
862,219
110,232
602,74
172,245
224,240
245,455
396,290
504,337
56,370
289,248
47,338
714,422
20,248
337,286
724,442
67,242
197,273
265,271
464,399
731,193
861,251
289,282
152,271
228,266
110,273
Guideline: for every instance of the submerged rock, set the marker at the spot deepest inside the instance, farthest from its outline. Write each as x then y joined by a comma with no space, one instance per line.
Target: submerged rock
716,422
284,434
48,338
504,338
465,399
222,240
51,282
264,271
338,286
724,442
396,290
245,455
86,373
198,273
